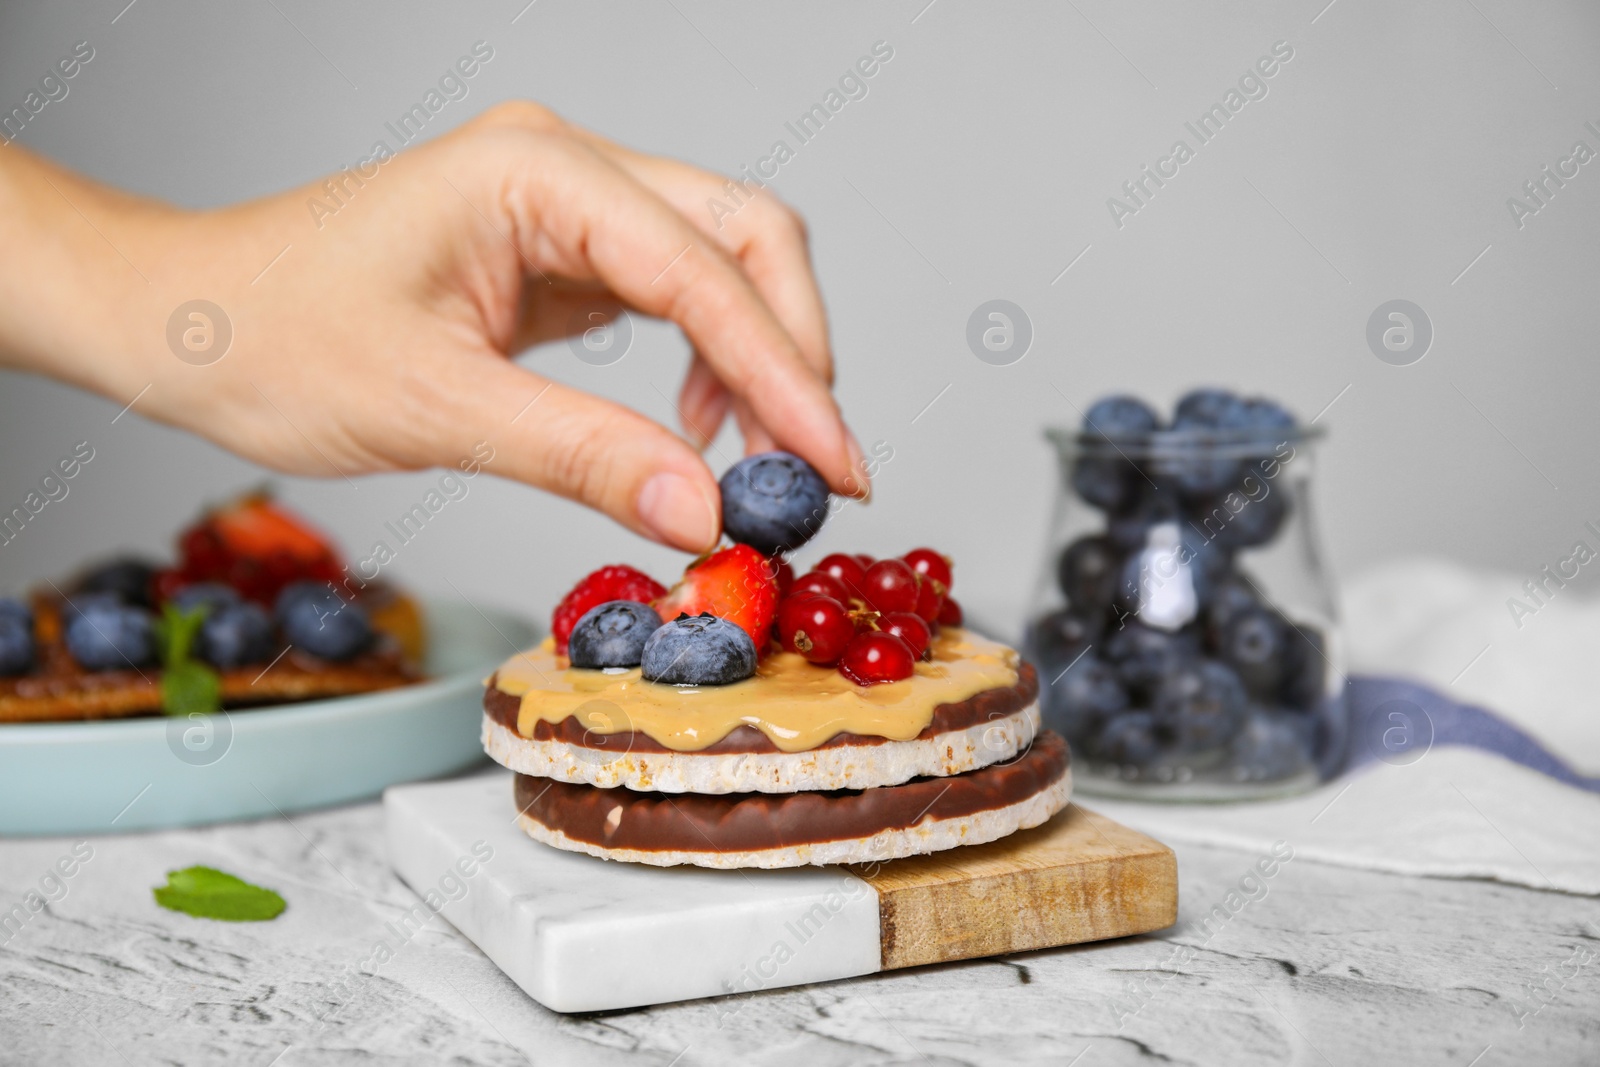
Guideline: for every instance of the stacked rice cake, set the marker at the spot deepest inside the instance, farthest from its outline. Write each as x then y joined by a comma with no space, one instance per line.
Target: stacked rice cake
796,765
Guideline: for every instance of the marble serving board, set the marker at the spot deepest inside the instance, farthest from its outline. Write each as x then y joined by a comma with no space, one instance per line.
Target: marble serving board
583,934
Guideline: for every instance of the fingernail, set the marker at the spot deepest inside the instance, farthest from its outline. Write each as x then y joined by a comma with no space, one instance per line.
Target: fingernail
860,485
673,509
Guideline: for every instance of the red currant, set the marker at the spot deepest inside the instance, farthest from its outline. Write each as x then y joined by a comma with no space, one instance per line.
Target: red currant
876,657
930,564
821,584
890,585
909,628
782,574
846,570
950,614
817,627
930,598
864,559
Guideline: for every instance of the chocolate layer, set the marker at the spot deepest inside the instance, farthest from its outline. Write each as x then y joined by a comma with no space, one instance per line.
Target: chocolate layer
748,822
987,706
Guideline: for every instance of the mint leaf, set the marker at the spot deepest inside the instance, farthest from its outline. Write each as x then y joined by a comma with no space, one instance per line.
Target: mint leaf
189,689
177,629
207,893
187,686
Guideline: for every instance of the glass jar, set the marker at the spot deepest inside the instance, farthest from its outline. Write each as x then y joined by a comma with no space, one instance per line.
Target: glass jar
1184,626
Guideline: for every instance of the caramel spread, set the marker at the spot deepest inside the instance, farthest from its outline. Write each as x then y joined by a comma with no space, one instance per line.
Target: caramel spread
796,704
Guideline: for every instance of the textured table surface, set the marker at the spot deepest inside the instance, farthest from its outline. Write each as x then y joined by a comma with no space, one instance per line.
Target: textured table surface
1316,964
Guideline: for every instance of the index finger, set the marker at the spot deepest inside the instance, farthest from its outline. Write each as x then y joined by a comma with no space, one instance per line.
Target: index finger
577,212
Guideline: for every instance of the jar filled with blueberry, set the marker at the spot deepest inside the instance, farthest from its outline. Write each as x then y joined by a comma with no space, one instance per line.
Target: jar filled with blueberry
1184,629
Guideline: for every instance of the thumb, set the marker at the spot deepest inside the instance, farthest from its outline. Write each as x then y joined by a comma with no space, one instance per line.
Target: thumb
590,450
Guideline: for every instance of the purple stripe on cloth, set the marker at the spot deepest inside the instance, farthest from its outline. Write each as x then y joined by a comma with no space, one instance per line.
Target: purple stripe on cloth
1396,721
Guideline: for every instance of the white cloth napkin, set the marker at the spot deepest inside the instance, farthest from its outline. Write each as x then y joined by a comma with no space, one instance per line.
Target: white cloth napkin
1456,812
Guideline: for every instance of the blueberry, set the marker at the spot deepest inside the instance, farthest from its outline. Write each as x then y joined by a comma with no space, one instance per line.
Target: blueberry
1109,482
612,634
1269,747
1143,655
1130,739
1201,705
1255,645
105,635
1248,522
315,618
127,579
1306,669
212,595
773,502
1087,571
1262,418
1230,594
1056,639
1120,416
12,608
1078,701
1208,409
235,634
698,650
1166,582
1130,527
16,643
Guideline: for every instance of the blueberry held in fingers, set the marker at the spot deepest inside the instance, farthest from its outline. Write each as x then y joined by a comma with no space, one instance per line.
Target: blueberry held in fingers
774,502
612,635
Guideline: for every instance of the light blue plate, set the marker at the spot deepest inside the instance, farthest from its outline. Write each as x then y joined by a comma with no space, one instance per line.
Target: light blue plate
147,774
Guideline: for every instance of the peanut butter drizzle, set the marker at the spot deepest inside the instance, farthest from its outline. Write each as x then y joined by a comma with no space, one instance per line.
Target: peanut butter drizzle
798,705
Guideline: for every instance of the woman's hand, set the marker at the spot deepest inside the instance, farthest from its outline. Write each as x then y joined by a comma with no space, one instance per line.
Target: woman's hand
379,339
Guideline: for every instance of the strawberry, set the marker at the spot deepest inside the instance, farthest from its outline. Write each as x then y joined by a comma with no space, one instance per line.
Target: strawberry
254,545
256,527
736,584
616,582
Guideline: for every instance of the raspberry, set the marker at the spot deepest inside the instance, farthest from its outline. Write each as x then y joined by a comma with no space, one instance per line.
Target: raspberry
616,582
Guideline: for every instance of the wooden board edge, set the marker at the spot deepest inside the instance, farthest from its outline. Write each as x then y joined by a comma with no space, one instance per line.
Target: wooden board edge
992,910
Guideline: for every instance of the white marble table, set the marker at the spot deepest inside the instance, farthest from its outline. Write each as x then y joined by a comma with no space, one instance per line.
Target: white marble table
1330,966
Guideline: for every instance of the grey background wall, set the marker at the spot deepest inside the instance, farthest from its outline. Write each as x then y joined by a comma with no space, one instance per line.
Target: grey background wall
978,166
